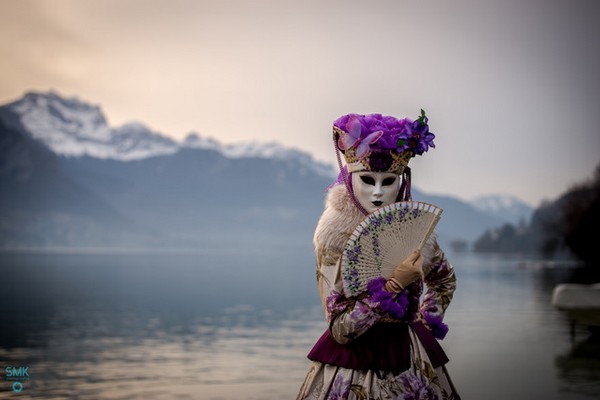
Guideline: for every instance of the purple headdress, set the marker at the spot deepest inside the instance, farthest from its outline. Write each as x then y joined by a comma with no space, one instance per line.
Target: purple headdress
379,143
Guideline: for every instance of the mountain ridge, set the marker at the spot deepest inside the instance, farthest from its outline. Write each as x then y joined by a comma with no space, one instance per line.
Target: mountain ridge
75,128
506,207
195,192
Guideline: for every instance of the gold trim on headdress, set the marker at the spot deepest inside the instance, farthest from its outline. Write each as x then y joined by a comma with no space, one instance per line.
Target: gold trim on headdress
399,161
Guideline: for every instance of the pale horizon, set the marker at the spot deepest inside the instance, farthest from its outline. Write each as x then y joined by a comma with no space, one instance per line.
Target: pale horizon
511,88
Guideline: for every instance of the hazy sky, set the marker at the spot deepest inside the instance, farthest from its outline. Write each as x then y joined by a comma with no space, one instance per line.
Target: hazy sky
511,86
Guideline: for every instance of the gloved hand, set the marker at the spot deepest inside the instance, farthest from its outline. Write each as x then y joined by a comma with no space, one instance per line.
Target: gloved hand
410,269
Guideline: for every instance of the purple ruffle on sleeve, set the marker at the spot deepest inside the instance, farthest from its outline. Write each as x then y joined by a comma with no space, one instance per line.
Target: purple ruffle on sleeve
438,328
394,305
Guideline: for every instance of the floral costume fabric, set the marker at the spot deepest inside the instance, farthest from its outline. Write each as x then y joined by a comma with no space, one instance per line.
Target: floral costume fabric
374,319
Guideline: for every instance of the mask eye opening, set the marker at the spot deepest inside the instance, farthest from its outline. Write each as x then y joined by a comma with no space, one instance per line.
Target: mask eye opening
388,181
367,179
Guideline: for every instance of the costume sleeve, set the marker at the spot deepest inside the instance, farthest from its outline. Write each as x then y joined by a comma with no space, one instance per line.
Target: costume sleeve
349,318
441,284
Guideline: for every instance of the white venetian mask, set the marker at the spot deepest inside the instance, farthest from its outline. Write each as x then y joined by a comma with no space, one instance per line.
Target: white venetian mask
375,189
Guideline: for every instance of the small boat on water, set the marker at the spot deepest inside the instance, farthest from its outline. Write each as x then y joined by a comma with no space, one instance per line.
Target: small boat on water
580,302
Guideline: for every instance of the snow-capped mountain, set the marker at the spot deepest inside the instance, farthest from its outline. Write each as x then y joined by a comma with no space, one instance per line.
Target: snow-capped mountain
73,128
505,207
261,150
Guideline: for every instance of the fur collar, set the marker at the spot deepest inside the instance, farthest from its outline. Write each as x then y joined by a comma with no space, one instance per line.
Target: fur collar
339,220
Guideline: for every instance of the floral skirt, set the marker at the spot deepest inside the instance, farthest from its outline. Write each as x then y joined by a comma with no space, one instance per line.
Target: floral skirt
420,381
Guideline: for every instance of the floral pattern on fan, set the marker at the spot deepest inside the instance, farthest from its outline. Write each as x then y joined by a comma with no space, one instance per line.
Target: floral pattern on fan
381,238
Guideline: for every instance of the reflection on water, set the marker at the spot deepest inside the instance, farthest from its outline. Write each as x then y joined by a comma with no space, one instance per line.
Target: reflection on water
579,368
239,325
505,333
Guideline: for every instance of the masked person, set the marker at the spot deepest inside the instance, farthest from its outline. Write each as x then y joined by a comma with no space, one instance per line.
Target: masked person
381,344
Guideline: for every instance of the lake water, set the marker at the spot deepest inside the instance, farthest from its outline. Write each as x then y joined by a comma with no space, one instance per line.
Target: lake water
238,325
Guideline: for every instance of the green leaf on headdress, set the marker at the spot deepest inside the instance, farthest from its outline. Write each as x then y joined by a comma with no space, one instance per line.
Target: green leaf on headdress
401,142
421,119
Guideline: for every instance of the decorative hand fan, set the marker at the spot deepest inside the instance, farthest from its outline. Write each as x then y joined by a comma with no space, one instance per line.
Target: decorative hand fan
383,240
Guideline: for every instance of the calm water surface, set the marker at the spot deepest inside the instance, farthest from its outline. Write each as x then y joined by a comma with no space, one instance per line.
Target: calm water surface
238,324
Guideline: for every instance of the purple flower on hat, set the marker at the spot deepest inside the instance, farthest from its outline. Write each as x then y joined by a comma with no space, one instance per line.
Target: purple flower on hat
420,138
381,136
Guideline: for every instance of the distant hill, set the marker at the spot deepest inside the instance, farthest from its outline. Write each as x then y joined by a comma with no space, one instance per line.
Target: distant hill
504,207
563,227
41,205
70,180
